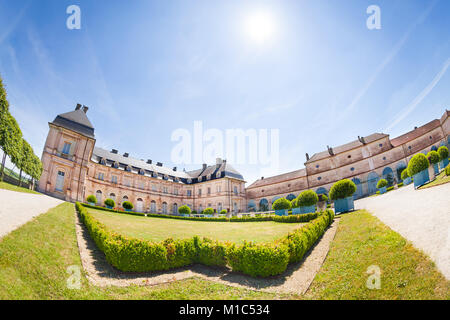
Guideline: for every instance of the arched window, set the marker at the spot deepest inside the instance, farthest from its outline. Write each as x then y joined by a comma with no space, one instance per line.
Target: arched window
164,207
175,208
124,198
112,196
98,195
153,206
139,205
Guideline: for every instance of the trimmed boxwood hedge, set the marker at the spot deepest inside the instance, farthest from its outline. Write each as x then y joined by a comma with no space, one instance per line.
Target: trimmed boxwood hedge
342,189
382,183
443,153
433,157
404,174
307,198
283,219
281,204
127,205
91,198
417,164
258,260
110,202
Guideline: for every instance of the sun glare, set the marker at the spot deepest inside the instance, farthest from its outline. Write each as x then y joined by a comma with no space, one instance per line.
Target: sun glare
260,27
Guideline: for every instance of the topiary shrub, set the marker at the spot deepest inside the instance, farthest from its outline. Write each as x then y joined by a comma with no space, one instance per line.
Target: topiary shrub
110,203
127,205
307,198
294,203
382,183
91,199
342,189
447,170
208,211
323,197
433,157
223,211
281,204
184,209
443,153
194,211
404,174
417,164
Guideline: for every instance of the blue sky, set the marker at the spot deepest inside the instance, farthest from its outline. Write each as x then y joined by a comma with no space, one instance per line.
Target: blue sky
146,68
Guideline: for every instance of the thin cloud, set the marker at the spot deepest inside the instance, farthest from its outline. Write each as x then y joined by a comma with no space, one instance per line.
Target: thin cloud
417,100
386,61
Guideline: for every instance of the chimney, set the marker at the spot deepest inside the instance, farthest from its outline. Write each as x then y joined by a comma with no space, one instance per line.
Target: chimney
114,151
149,161
159,164
126,154
174,168
218,160
85,109
262,178
78,107
204,166
307,157
415,128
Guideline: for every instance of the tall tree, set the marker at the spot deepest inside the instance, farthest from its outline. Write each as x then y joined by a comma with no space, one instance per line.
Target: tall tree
10,140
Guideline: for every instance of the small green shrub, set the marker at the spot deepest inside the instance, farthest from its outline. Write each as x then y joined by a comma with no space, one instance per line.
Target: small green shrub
127,205
342,189
404,174
294,203
382,183
223,211
208,211
91,198
417,164
447,170
443,153
110,203
307,198
281,204
433,157
184,209
194,211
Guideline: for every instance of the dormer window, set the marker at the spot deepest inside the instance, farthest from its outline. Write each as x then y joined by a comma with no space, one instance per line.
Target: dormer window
141,172
102,161
115,165
208,177
199,179
128,168
218,174
189,180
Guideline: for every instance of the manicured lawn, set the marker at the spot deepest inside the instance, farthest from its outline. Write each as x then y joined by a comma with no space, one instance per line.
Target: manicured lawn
362,241
158,229
440,179
8,186
35,257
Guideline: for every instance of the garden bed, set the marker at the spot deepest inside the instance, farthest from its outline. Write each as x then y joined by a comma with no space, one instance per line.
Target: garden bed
258,260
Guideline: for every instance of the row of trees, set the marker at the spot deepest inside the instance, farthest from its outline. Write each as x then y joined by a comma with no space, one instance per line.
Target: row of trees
14,145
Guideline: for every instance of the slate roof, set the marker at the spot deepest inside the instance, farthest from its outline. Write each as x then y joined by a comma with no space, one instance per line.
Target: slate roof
414,134
279,178
136,165
77,121
346,147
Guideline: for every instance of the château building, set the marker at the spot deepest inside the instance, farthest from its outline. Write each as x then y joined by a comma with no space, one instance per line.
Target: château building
73,168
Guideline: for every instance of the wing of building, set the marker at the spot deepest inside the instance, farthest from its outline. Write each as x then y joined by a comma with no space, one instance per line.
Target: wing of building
74,167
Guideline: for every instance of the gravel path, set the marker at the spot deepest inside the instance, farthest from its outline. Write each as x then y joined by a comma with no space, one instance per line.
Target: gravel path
421,216
296,279
17,208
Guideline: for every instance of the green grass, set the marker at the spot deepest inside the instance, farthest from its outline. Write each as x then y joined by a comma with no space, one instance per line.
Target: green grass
157,229
361,241
440,179
8,186
35,257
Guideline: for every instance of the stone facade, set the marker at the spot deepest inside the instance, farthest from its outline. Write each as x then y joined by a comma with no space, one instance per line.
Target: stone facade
364,161
74,168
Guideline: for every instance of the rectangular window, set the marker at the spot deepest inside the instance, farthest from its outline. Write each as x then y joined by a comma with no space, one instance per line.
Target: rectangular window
154,187
175,191
235,190
101,176
209,190
165,190
199,192
114,179
189,193
66,148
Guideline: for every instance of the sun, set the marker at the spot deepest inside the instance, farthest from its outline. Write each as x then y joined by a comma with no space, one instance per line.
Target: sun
260,27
